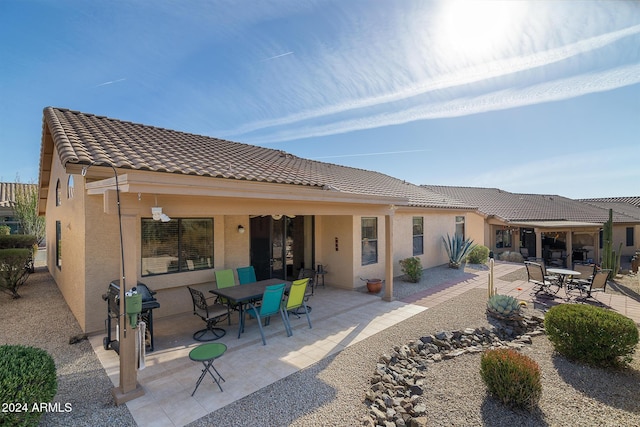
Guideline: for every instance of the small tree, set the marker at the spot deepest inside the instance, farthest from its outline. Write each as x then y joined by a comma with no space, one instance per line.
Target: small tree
26,210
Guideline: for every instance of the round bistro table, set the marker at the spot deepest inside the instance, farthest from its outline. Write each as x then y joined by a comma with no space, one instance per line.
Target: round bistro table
207,353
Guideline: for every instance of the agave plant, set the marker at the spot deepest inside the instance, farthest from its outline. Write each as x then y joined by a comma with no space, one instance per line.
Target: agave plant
503,305
457,249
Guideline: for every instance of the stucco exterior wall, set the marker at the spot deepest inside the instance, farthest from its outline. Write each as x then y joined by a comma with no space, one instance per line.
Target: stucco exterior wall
336,256
477,230
70,213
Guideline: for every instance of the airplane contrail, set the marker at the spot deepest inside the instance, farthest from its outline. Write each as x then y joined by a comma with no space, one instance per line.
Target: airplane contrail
370,154
111,82
277,56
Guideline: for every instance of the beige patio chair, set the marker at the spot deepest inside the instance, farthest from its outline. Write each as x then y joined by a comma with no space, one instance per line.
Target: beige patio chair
536,275
598,283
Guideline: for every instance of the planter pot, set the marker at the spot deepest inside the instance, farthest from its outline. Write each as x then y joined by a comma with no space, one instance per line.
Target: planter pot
374,285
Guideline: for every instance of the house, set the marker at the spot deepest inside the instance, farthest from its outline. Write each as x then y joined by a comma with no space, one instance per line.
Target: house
628,235
8,191
181,205
550,227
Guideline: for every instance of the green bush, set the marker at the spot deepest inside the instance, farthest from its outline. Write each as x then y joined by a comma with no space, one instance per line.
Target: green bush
511,257
478,255
5,230
511,377
13,269
592,335
17,241
412,268
27,378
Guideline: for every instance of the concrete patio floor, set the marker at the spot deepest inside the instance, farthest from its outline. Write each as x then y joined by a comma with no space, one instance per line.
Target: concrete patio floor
339,317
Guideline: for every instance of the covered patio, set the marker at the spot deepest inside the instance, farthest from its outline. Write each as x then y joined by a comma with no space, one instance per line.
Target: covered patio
339,317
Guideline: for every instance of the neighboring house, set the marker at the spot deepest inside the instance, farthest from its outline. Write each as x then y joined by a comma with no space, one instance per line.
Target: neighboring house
629,235
226,205
8,191
550,227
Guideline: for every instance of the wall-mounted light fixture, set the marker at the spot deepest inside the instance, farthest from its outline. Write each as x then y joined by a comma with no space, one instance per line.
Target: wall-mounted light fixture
241,229
156,213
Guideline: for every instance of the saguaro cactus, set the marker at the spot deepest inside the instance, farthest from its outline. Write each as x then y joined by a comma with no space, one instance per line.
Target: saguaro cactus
610,259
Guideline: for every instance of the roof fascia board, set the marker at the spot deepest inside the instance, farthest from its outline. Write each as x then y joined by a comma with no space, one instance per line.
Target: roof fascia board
189,185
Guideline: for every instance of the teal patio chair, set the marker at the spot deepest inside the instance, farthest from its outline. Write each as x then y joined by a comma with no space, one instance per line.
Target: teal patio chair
296,301
271,304
246,275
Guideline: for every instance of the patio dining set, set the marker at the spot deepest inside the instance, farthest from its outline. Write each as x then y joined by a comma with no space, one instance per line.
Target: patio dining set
257,299
579,283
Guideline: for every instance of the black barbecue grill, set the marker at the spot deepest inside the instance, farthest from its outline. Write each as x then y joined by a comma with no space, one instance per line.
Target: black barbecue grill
112,297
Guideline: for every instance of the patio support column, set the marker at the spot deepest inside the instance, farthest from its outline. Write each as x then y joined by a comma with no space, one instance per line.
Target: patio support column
539,253
388,255
129,388
569,245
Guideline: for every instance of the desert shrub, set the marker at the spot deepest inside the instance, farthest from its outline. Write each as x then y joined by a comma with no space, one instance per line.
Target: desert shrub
511,377
412,268
14,269
592,335
511,256
27,378
17,241
478,255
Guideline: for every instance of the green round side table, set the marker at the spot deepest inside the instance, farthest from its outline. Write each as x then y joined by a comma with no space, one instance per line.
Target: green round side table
207,353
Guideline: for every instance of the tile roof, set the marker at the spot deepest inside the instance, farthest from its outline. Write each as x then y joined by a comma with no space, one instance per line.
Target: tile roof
635,200
87,138
514,207
8,192
619,207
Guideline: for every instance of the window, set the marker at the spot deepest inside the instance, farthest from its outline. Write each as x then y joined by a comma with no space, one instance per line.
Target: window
460,226
58,193
58,244
503,238
418,235
70,187
176,246
369,241
629,236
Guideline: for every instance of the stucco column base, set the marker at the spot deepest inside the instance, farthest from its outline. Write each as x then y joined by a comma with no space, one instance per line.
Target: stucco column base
121,397
388,298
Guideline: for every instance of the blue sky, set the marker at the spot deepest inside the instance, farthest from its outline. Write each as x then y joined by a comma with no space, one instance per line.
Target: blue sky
532,97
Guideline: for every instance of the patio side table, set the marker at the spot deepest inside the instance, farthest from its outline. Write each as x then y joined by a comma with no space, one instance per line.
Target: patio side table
207,353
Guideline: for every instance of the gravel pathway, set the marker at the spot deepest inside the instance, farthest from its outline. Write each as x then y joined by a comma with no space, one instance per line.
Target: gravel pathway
331,392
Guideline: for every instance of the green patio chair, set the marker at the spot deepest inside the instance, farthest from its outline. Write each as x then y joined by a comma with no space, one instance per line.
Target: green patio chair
246,275
271,304
225,279
296,301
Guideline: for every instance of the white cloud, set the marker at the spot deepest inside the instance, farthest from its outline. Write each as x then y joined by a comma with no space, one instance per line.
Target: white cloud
399,92
500,100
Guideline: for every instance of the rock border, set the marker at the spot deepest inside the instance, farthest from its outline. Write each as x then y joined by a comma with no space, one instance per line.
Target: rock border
395,397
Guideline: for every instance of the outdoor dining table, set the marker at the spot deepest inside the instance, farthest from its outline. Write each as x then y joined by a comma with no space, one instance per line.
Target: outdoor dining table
244,294
562,274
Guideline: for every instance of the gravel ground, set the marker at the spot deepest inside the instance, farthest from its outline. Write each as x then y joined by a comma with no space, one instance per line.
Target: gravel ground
331,392
42,319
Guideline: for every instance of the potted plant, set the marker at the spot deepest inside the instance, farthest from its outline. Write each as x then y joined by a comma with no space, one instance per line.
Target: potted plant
457,248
